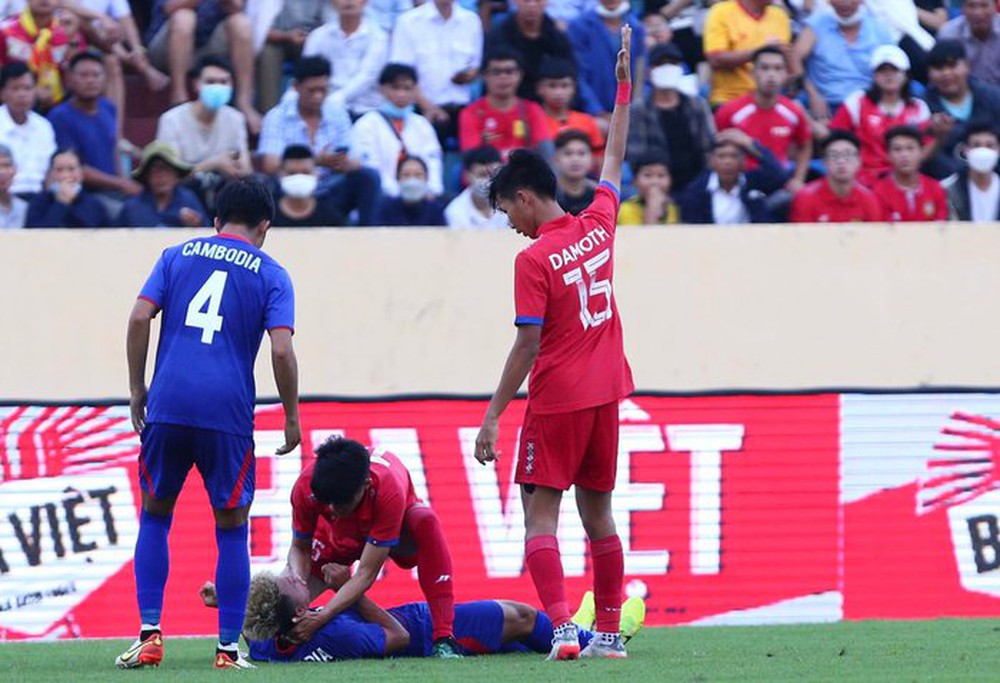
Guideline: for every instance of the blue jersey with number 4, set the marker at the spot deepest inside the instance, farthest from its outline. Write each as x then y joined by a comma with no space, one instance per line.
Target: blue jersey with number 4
218,295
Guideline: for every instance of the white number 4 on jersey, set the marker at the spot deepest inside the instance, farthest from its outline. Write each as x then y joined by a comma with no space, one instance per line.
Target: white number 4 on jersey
209,297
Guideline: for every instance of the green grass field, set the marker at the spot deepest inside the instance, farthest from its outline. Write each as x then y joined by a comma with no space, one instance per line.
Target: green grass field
943,650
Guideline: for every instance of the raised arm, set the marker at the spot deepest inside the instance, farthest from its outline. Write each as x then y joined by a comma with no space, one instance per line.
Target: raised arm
614,151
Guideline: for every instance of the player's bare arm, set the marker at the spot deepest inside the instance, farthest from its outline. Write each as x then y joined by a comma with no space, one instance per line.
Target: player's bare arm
519,361
298,557
286,376
614,153
137,348
373,557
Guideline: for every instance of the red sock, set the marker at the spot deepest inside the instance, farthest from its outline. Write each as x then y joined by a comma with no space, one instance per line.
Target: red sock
541,554
609,573
433,568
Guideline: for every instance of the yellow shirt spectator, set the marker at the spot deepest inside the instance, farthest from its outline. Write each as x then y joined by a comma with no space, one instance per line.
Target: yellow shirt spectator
632,212
733,30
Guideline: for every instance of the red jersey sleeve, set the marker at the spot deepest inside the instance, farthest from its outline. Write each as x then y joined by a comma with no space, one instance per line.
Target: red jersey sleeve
842,119
387,513
531,291
873,208
800,208
305,510
604,209
540,130
724,117
940,201
802,132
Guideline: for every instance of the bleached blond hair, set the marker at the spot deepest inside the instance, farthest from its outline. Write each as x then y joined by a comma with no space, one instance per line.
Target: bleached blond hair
262,620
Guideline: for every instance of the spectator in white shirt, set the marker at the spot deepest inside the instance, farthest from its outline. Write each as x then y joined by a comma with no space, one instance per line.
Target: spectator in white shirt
472,209
13,210
357,49
383,137
28,135
443,41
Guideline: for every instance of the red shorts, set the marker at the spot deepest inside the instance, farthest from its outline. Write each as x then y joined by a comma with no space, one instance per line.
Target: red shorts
563,449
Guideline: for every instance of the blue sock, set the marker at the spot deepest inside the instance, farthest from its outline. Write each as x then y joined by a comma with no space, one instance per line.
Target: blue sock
540,639
152,564
232,581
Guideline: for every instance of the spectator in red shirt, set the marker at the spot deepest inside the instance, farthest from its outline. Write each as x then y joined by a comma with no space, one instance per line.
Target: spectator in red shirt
773,120
887,103
557,90
905,193
501,119
837,198
35,38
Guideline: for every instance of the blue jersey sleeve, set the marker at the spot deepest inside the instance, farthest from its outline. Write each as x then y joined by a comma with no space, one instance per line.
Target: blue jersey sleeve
280,302
155,289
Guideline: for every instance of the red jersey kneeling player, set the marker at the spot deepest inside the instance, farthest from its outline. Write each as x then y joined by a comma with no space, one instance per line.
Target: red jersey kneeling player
569,336
372,512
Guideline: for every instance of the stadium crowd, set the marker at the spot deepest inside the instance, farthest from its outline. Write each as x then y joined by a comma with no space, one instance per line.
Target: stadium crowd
379,112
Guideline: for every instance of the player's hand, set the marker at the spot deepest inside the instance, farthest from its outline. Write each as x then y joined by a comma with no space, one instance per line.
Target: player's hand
335,575
137,407
486,441
293,436
305,627
208,595
623,70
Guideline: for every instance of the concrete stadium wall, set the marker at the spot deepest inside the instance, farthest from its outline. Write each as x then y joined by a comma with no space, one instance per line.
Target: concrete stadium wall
389,311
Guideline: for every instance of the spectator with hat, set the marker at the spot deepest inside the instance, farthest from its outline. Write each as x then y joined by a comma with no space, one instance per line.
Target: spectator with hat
163,202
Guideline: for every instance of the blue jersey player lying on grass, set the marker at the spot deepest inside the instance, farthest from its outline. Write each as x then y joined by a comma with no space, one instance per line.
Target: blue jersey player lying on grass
366,631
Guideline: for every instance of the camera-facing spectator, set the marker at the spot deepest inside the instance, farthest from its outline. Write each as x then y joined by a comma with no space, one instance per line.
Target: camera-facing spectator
573,160
88,123
557,90
954,100
652,204
887,103
13,209
670,124
308,118
500,118
534,35
65,204
471,208
37,39
298,205
734,31
906,195
835,50
208,133
383,137
443,41
777,122
28,135
415,205
979,31
163,202
839,197
283,43
357,49
974,191
181,31
726,193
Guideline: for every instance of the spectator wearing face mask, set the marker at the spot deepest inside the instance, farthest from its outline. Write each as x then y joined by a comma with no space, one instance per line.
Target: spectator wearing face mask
974,191
297,205
471,209
415,206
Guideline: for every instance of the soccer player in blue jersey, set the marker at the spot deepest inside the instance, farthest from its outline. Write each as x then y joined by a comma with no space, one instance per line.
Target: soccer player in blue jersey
218,295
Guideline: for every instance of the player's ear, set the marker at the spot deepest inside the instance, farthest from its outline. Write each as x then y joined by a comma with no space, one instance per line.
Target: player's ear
217,224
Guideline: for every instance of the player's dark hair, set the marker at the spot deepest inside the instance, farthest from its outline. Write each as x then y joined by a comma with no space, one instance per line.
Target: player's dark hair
979,126
483,155
841,136
408,158
525,170
13,71
245,201
911,132
293,152
641,161
310,67
502,53
393,72
203,63
342,467
768,50
572,135
285,617
86,56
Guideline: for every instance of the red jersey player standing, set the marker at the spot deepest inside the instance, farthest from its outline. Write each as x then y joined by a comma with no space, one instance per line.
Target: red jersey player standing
569,336
373,514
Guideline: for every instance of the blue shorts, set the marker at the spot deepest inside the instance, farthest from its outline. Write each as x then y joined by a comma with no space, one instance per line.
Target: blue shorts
225,461
479,626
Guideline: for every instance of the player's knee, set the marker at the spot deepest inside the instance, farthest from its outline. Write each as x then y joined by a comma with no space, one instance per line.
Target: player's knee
230,519
161,508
